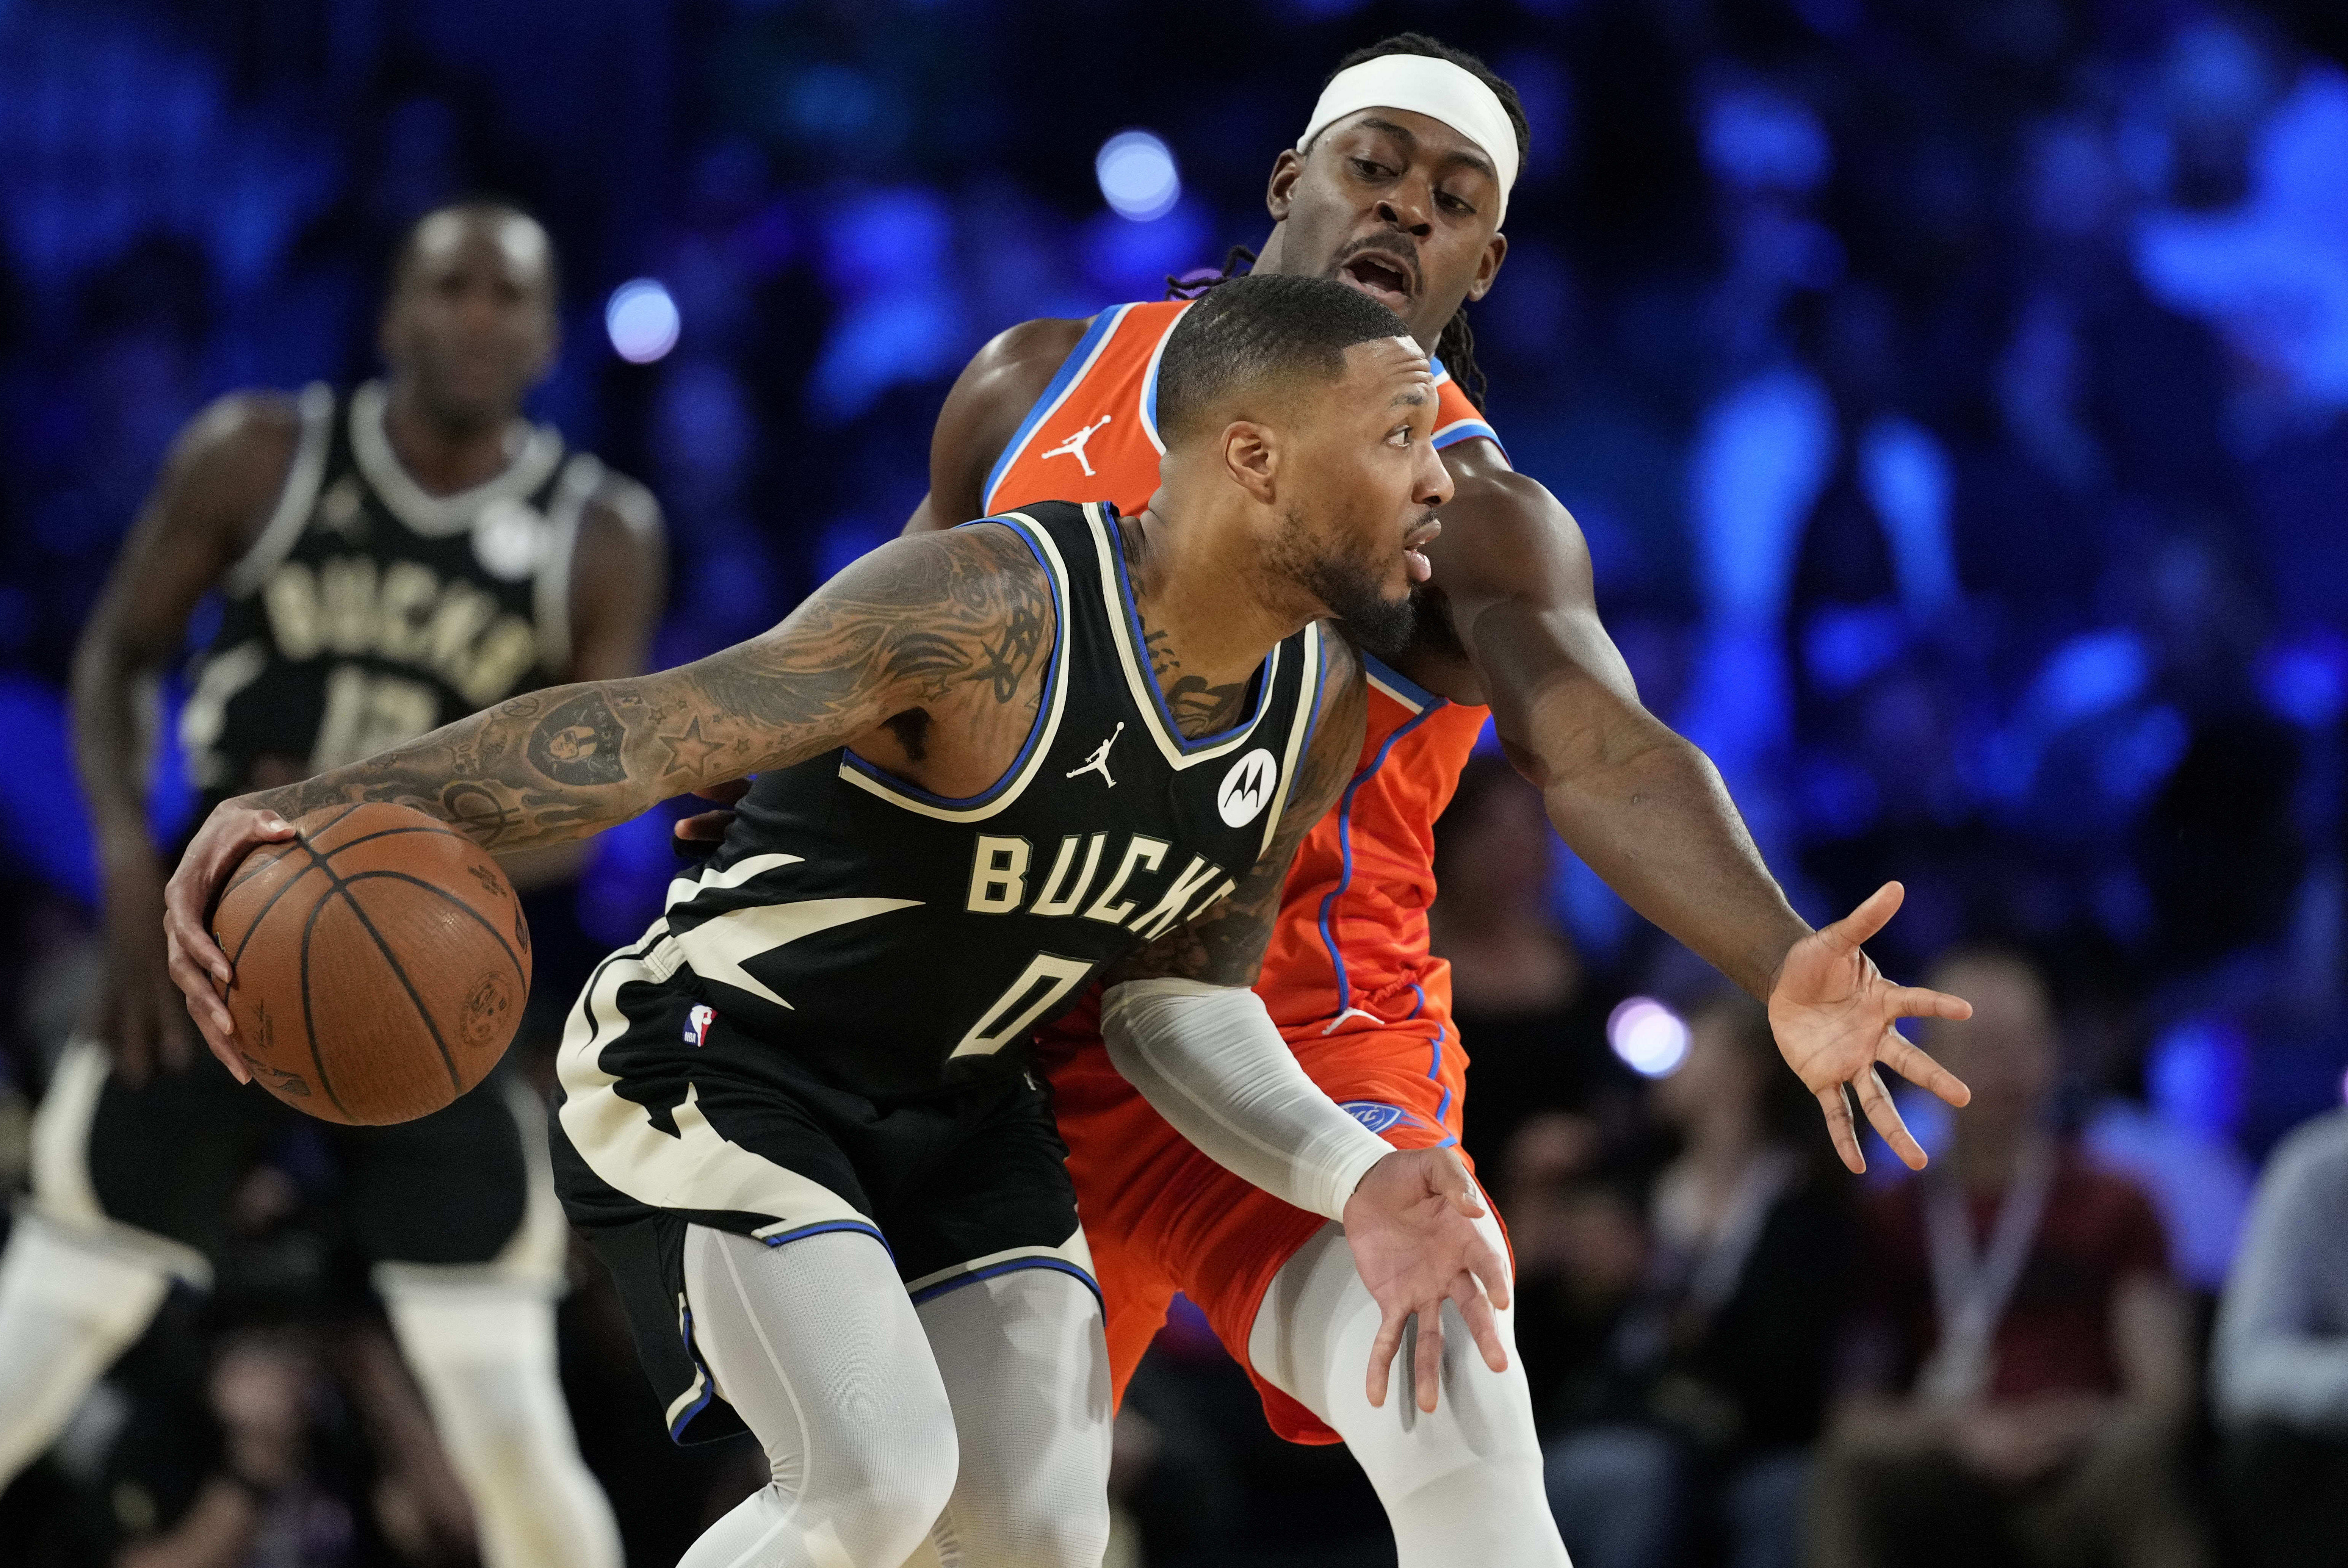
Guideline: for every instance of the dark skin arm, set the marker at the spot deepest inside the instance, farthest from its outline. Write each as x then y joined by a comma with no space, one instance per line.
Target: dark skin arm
1644,807
981,413
940,638
211,502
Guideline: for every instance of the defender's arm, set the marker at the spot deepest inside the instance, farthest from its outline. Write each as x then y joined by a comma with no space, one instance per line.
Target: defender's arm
1647,810
212,498
901,630
992,395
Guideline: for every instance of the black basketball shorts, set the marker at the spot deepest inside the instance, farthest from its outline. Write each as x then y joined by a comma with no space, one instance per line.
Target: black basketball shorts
669,1116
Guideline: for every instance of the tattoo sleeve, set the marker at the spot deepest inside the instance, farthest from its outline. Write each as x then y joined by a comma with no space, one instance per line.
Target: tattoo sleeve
919,621
1224,945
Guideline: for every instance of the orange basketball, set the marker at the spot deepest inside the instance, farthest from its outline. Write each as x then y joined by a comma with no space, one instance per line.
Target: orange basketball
381,963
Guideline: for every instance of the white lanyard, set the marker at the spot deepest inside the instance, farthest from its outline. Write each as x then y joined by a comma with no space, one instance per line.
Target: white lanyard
1970,1291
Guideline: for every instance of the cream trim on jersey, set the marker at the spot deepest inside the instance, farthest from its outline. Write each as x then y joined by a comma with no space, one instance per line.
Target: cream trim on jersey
1039,746
1146,401
1075,1252
63,1194
1033,428
1143,684
439,516
696,1169
551,594
1404,697
1308,708
295,498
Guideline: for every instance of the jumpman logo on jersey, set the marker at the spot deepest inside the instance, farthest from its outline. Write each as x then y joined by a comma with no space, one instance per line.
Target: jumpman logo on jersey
1074,446
1099,764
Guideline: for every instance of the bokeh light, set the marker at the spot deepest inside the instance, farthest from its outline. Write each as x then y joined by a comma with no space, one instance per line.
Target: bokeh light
1650,1038
642,320
1137,177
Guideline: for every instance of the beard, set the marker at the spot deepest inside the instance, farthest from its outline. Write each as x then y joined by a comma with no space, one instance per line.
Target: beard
1354,593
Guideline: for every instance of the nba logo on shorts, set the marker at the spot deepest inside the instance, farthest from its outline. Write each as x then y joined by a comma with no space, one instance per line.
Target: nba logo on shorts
697,1022
1374,1115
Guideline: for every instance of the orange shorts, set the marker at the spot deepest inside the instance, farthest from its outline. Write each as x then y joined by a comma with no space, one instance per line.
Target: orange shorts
1161,1217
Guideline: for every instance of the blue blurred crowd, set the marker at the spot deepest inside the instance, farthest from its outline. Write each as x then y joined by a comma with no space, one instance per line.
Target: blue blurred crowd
1955,395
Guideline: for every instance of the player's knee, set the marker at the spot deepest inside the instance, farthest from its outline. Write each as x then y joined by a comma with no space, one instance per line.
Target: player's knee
888,1488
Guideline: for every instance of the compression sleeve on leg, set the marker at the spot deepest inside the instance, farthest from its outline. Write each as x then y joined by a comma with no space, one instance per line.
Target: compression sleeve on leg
1208,1058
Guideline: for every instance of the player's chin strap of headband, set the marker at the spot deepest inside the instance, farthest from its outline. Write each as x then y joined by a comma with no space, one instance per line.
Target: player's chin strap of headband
1422,84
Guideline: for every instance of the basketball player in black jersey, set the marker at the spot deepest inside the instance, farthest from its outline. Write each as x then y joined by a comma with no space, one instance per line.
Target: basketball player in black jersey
391,560
797,1120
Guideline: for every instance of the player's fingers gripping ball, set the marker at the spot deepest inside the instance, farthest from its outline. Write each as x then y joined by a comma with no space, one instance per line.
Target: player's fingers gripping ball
381,963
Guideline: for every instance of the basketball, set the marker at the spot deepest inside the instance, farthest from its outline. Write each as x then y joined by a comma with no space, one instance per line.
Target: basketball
381,963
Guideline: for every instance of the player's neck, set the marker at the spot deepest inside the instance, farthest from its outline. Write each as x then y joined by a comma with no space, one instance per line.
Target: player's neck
1208,609
445,456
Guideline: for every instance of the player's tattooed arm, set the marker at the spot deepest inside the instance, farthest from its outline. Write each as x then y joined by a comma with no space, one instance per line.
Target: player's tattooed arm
1224,945
957,622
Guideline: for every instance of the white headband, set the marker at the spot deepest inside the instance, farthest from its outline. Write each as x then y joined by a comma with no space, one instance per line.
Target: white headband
1422,84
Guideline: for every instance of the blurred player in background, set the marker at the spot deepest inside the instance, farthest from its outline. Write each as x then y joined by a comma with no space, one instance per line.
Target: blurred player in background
391,560
1397,187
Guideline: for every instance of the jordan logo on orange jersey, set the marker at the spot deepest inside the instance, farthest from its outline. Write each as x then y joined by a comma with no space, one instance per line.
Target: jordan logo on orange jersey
1074,446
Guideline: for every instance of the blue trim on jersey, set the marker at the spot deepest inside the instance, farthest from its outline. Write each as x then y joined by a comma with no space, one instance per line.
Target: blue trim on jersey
1079,359
1150,390
1466,430
1345,855
1435,1068
1009,1265
825,1227
708,1384
1263,682
1042,709
1428,700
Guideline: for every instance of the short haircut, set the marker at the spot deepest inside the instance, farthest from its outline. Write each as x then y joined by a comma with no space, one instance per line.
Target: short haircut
1250,332
492,207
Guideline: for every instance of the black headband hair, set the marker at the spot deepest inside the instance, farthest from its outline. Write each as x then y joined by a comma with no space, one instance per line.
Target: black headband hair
1248,330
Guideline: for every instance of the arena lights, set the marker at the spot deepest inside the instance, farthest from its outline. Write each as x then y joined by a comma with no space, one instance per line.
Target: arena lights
1137,177
1650,1038
643,321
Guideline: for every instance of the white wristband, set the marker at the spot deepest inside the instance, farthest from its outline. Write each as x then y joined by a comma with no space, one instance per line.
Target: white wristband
1212,1062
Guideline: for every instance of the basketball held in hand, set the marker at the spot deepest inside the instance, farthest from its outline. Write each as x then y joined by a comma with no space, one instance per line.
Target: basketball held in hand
381,963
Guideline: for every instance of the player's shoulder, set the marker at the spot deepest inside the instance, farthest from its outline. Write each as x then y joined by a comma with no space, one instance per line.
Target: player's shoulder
625,504
1026,356
232,458
251,421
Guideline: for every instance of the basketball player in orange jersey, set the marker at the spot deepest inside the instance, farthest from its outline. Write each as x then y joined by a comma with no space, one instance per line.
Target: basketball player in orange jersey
390,559
1399,186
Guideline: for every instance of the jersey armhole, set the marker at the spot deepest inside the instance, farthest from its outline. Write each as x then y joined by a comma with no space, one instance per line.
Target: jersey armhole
1064,380
294,497
581,477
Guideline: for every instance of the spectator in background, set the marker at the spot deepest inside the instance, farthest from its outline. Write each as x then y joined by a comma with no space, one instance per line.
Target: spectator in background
2024,1372
1525,1006
2280,1371
1715,1382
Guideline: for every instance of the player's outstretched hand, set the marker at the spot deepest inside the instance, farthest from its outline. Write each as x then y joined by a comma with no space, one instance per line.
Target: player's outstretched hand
696,837
233,831
1837,1018
1411,1223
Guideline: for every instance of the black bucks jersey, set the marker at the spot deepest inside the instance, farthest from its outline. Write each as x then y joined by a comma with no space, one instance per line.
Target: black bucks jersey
898,942
370,612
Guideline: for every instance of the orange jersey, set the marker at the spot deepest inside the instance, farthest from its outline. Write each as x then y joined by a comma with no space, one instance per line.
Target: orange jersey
1350,950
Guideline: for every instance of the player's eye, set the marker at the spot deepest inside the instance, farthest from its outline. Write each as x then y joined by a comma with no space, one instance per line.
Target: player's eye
1401,436
1369,170
1451,203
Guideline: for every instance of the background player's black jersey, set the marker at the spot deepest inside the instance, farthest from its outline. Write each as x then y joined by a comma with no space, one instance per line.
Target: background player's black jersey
368,612
898,942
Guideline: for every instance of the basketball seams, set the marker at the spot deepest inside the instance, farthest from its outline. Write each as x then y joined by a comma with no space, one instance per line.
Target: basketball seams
309,1025
342,890
520,973
388,833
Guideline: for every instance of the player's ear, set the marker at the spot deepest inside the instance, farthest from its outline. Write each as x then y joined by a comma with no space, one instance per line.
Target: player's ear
1281,194
1495,251
1251,457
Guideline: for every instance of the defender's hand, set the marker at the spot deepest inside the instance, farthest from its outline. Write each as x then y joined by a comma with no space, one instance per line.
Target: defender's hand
137,1013
697,836
1411,1223
233,831
1837,1018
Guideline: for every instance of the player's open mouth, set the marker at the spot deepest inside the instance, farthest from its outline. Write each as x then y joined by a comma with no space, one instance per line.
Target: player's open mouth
1414,546
1383,279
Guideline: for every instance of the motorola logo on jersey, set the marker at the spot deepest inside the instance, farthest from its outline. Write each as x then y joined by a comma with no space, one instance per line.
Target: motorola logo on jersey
1247,788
